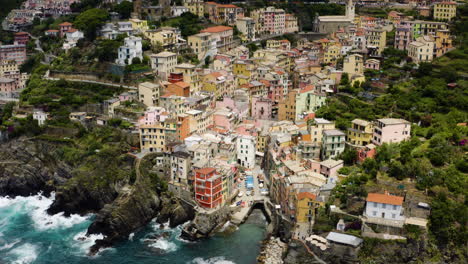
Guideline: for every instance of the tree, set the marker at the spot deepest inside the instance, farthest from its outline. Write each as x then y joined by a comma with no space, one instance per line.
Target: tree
124,9
344,79
136,60
349,156
90,21
207,61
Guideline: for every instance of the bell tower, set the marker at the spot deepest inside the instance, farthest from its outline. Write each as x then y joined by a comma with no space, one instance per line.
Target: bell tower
350,10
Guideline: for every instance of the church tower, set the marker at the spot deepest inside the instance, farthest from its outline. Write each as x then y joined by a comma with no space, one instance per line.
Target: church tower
350,10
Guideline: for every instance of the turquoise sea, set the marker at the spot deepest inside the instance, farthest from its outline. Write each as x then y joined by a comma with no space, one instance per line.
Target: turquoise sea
29,235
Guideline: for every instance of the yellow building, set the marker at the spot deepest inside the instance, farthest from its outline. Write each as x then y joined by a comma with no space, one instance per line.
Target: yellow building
445,10
306,207
217,83
9,67
262,140
443,42
331,53
376,39
273,57
196,7
353,64
154,137
278,44
360,132
201,44
287,107
191,75
139,25
167,37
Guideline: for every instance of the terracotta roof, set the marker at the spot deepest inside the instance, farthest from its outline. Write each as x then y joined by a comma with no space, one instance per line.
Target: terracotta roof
21,33
216,74
216,29
182,84
205,170
303,195
228,6
52,30
65,24
384,198
71,30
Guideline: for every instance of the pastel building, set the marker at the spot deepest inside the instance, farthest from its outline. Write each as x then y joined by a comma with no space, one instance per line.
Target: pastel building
13,52
208,188
353,64
445,10
148,93
246,26
422,50
360,132
246,149
163,63
306,207
261,108
384,206
329,168
391,130
372,64
222,35
333,143
8,87
131,49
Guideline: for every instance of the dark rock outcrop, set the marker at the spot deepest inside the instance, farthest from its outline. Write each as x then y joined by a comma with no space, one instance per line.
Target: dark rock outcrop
204,224
78,199
28,167
130,211
175,211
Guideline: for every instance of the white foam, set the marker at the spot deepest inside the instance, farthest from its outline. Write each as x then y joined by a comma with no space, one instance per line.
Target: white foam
214,260
165,245
36,207
131,236
84,243
26,253
9,245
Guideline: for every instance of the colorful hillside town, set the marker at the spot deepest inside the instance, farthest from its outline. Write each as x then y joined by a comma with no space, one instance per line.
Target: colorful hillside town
329,119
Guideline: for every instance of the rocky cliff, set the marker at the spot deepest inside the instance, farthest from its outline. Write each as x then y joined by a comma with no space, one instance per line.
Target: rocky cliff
205,223
29,166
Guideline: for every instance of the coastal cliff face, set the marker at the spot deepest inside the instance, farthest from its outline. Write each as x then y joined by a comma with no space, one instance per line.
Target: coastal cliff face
28,167
104,183
204,224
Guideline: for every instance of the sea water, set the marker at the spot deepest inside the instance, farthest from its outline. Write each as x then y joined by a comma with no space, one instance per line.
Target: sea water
29,235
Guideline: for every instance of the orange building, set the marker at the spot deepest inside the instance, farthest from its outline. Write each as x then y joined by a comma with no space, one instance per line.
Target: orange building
208,188
183,126
179,89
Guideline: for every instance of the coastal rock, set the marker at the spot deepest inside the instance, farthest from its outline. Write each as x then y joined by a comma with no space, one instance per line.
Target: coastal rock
130,211
28,167
205,223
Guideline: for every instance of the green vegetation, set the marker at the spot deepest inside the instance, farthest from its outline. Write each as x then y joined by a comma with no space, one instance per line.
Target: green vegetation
434,161
91,20
188,23
125,9
99,158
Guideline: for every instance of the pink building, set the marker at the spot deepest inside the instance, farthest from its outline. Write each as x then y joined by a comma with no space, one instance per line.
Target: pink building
390,130
329,168
261,108
240,109
223,119
153,115
14,52
372,64
21,37
403,37
367,152
313,165
274,20
7,86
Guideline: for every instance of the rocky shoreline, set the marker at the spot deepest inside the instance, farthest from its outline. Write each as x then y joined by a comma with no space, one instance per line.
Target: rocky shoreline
272,251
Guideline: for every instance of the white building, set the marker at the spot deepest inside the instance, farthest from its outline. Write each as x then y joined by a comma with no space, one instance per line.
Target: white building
40,116
246,148
385,206
178,10
163,63
246,26
180,167
131,49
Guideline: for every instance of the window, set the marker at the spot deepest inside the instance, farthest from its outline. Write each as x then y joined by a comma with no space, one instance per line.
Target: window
394,207
375,205
374,213
384,206
393,215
